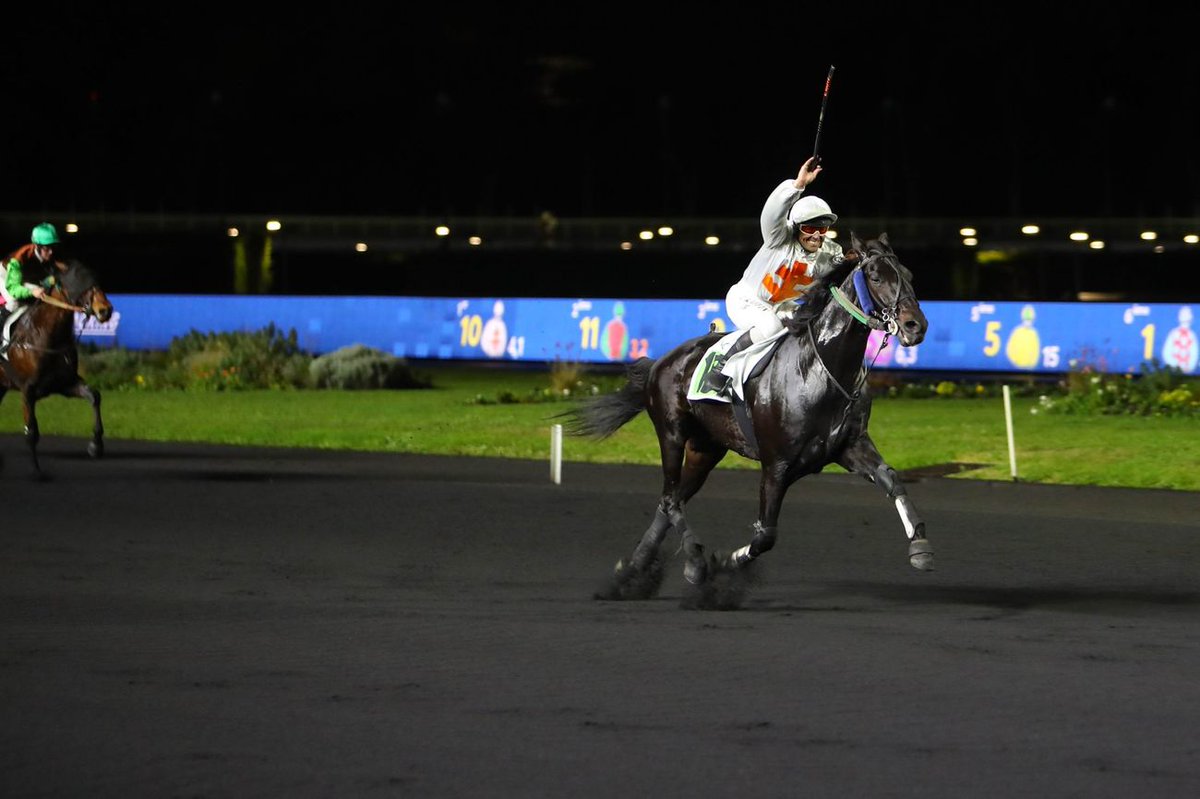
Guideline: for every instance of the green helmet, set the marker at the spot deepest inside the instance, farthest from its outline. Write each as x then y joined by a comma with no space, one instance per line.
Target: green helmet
44,234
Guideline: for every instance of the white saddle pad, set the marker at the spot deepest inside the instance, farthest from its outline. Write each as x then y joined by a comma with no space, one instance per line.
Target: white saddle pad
738,367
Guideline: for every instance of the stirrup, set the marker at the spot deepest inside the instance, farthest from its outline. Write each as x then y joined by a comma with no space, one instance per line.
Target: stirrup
715,380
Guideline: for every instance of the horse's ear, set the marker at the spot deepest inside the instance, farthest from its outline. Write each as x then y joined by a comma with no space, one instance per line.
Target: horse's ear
883,239
855,242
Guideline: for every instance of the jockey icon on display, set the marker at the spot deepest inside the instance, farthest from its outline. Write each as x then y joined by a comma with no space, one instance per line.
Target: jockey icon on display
795,255
614,342
1180,348
495,333
1024,348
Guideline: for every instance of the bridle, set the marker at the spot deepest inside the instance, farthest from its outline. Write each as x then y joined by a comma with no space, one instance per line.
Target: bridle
873,313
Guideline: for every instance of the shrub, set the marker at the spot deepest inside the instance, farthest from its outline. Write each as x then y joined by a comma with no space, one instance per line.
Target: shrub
262,359
360,367
110,368
567,381
1160,391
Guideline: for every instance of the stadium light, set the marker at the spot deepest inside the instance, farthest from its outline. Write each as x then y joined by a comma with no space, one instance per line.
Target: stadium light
71,227
666,230
1149,235
1079,235
474,241
232,232
1030,230
646,235
712,241
360,246
441,230
1096,245
970,241
1191,238
627,245
967,232
274,225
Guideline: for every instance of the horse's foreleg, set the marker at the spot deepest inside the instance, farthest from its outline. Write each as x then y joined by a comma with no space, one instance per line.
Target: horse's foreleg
32,435
84,391
727,579
863,458
771,489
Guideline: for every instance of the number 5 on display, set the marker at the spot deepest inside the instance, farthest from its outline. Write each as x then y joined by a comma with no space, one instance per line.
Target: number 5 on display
991,334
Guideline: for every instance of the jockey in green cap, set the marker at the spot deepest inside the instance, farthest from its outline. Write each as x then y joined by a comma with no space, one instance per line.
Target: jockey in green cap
29,273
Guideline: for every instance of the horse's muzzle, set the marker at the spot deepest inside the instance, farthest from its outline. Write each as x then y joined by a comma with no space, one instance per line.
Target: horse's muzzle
911,323
100,307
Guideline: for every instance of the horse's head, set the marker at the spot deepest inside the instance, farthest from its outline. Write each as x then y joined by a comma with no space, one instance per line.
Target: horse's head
80,288
891,293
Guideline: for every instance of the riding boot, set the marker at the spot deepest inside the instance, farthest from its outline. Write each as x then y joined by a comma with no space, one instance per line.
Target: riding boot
5,312
717,381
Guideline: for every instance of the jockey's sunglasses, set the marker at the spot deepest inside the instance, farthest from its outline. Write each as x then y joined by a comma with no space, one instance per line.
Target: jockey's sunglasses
811,229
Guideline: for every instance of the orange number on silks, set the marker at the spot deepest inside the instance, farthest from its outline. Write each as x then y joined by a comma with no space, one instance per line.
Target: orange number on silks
639,348
787,282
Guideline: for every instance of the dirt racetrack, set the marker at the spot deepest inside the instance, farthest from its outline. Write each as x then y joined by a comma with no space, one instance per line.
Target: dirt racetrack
186,620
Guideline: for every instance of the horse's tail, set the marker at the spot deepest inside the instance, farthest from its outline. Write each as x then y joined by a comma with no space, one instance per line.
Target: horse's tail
600,417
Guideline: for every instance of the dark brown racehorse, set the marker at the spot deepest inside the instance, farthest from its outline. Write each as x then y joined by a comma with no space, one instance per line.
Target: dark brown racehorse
809,408
43,358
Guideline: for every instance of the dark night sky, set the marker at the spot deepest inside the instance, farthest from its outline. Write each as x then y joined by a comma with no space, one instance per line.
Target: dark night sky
1004,109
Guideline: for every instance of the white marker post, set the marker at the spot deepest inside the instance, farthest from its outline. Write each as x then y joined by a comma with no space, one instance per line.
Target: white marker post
1012,449
556,453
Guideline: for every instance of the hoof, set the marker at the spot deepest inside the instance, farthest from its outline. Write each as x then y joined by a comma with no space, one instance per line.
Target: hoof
695,571
920,555
96,449
629,582
725,585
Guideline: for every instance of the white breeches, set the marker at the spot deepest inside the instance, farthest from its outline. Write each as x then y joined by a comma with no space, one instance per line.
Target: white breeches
751,313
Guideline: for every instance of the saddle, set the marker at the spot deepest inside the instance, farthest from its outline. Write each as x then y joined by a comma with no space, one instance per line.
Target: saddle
741,367
8,320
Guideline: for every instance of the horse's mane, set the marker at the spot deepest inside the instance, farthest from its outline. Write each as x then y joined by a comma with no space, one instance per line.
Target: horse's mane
819,298
76,278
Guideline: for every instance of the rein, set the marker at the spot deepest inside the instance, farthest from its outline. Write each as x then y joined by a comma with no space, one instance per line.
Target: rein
66,306
863,372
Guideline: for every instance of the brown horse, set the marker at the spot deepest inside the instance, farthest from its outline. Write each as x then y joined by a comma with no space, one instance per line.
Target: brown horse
43,359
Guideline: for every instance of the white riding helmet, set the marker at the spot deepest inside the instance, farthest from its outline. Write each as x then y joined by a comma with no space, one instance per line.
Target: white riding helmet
811,208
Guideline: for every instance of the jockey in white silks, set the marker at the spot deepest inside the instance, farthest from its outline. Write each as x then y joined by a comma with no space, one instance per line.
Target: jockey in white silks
795,254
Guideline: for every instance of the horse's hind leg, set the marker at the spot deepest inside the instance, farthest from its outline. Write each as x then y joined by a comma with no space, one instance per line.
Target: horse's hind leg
863,458
640,576
84,391
698,463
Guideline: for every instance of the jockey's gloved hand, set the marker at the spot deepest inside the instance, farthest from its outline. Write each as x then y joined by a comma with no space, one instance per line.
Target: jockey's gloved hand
851,255
794,314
